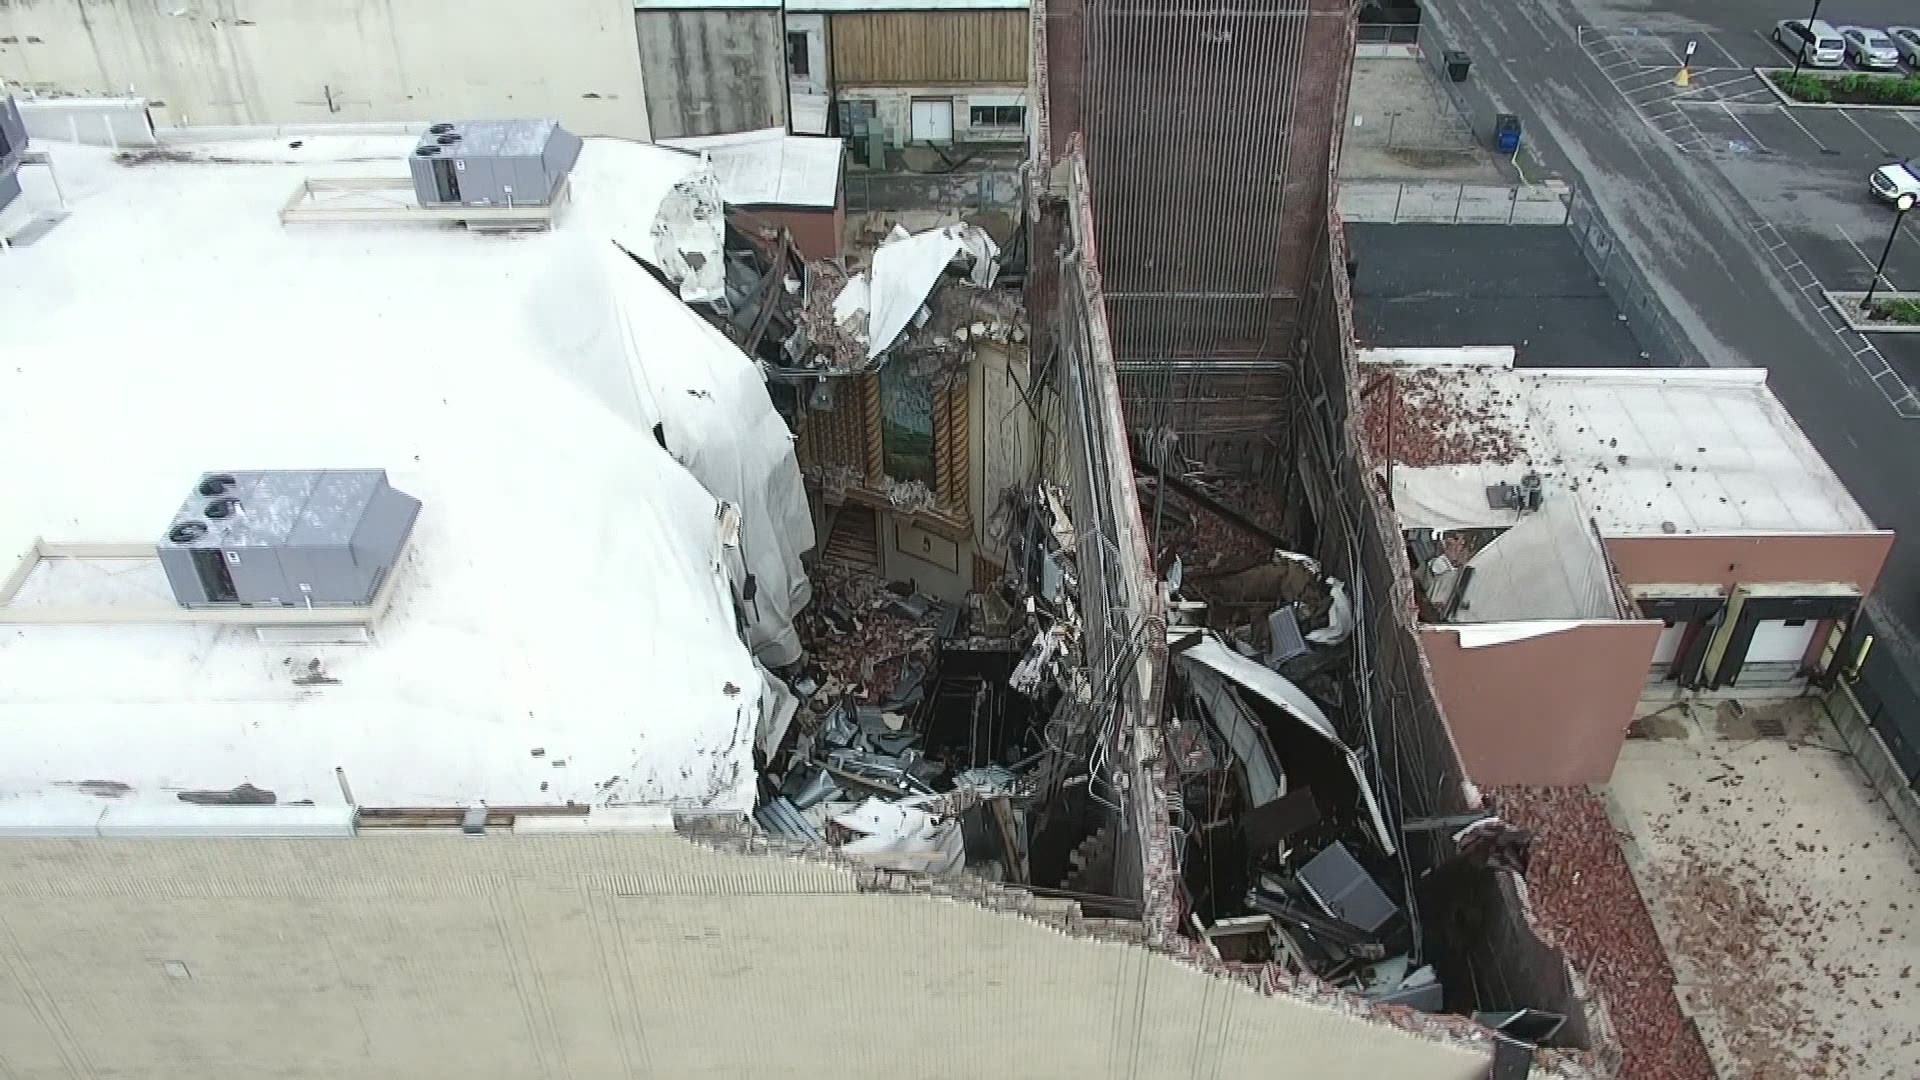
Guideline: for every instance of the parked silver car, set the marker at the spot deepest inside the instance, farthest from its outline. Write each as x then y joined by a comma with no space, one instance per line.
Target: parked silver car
1814,43
1907,40
1870,48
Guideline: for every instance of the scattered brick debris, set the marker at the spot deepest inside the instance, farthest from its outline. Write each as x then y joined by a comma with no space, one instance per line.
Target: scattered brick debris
1442,416
857,637
1586,902
1208,544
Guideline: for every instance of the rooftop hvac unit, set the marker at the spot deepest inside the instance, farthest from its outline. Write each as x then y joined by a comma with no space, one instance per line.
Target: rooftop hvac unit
13,144
492,163
286,537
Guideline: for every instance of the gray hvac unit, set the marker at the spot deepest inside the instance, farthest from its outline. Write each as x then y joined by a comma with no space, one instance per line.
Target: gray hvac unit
286,537
13,144
492,163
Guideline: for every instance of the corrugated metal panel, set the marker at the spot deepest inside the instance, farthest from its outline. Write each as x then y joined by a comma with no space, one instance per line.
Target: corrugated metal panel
929,48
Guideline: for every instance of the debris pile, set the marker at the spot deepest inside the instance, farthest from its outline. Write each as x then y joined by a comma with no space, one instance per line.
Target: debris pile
1584,895
1436,419
1288,855
834,342
935,738
1285,614
1204,541
928,293
865,638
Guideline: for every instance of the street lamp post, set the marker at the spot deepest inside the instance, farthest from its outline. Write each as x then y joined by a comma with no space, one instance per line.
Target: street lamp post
1800,53
1900,207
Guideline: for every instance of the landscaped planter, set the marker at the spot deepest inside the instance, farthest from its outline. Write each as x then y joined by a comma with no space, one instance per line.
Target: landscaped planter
1891,312
1900,311
1811,87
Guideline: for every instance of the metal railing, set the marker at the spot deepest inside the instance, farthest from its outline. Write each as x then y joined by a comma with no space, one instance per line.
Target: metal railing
1653,326
1389,34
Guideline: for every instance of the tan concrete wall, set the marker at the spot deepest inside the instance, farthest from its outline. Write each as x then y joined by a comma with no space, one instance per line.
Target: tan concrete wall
713,72
1550,709
1855,558
434,955
225,62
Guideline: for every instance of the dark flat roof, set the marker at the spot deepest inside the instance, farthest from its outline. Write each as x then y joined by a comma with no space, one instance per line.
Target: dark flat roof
1521,285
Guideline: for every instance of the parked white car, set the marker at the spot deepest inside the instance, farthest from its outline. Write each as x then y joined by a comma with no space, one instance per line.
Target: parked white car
1814,43
1870,48
1895,179
1907,40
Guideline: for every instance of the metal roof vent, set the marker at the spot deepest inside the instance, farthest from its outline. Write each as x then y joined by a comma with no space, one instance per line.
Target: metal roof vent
290,538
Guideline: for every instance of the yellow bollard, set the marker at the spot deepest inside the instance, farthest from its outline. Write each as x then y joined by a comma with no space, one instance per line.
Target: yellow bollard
1682,77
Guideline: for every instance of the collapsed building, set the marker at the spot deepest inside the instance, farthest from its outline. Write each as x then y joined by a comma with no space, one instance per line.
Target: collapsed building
1048,640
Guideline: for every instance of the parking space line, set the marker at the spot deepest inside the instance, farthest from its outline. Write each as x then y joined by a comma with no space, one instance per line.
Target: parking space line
1772,47
1663,83
1720,87
1867,357
1711,40
1743,127
1865,258
1823,147
1847,115
1902,114
1648,89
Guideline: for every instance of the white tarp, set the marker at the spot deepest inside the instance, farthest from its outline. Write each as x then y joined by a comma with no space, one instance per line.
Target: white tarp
901,836
1280,691
772,168
1548,566
661,204
654,361
559,632
1449,497
906,268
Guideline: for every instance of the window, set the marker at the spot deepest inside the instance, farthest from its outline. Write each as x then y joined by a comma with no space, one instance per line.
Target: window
906,425
997,116
1796,622
797,54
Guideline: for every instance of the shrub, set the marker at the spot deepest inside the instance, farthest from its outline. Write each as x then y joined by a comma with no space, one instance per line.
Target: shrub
1903,310
1802,87
1853,88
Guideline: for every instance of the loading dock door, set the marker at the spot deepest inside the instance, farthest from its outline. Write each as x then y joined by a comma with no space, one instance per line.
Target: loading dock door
1668,646
932,120
1781,641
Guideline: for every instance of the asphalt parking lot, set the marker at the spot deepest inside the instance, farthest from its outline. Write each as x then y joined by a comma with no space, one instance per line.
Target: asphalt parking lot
1737,211
1802,171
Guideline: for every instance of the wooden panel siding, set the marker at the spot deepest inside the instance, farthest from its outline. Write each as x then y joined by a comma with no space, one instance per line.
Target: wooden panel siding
929,48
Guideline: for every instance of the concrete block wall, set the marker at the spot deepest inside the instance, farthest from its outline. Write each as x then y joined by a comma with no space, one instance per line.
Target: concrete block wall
253,62
432,954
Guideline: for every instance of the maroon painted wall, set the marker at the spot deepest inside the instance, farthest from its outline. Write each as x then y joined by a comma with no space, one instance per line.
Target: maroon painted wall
1550,709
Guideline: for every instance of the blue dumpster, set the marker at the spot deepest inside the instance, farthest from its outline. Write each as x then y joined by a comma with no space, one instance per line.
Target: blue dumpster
1506,133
